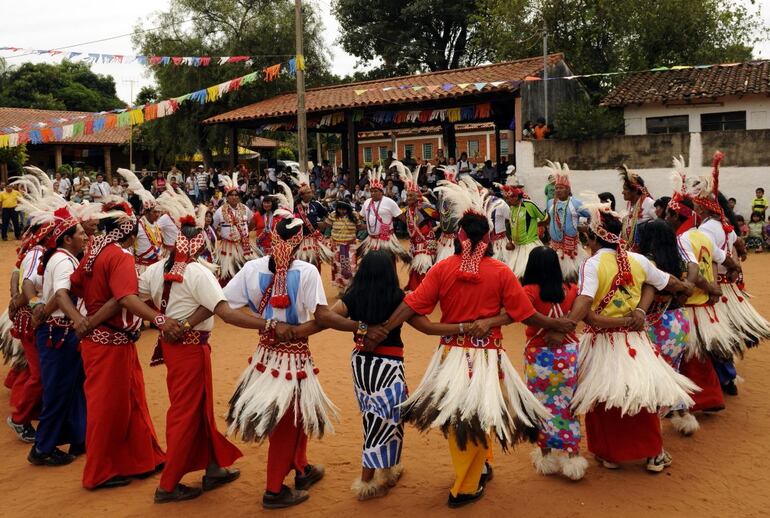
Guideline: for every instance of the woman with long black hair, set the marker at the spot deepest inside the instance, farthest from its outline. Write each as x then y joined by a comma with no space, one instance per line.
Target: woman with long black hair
343,223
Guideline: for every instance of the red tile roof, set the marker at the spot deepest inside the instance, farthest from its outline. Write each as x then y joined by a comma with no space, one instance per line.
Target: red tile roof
24,116
343,96
691,84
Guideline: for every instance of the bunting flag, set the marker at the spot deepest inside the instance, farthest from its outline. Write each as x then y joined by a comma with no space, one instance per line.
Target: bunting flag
65,127
123,59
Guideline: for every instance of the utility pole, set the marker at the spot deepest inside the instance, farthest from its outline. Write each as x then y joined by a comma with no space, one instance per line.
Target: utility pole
301,118
545,70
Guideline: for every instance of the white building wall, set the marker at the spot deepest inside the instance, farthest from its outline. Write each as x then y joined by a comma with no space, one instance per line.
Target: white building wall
736,182
757,110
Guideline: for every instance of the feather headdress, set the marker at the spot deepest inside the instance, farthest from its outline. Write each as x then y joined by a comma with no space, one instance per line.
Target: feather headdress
229,183
45,181
285,198
560,172
679,186
633,180
704,191
600,212
408,177
136,187
301,180
450,172
375,178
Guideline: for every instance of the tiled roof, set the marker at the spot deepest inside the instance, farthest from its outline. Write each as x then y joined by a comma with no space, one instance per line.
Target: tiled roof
265,143
370,93
692,83
23,116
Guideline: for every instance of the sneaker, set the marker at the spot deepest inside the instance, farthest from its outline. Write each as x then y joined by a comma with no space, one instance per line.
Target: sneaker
55,458
312,475
607,464
25,432
287,497
730,388
658,463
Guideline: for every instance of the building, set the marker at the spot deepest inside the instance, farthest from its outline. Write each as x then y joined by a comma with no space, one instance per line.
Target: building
693,100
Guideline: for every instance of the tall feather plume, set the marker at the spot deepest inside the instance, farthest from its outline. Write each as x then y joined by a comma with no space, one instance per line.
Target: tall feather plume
679,175
200,216
456,198
476,192
286,198
136,186
177,205
718,156
87,211
299,178
595,207
226,182
45,181
30,184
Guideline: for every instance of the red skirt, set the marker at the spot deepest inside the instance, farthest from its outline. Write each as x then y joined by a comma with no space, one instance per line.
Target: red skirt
27,395
620,439
414,281
120,436
13,375
702,373
192,438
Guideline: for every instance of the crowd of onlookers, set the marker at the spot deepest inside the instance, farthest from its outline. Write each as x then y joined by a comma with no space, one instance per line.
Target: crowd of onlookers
756,231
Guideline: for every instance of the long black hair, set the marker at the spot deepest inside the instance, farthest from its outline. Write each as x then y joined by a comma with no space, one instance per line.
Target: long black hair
374,293
59,243
188,231
612,225
543,269
658,243
605,197
729,214
476,227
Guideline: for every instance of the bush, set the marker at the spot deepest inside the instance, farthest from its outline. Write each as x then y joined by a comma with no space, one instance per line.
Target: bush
582,120
285,153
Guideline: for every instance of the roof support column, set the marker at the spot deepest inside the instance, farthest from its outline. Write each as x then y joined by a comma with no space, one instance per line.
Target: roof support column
107,163
448,133
352,146
233,159
57,157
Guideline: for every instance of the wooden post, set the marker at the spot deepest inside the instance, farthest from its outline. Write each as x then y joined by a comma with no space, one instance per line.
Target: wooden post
233,147
497,144
108,163
352,148
450,142
57,157
301,116
345,155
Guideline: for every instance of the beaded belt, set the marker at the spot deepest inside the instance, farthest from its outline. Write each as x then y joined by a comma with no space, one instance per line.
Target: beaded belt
470,342
62,323
21,323
194,337
106,336
298,346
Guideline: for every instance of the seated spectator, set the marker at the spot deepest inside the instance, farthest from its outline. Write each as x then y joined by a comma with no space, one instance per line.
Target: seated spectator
743,228
541,130
756,235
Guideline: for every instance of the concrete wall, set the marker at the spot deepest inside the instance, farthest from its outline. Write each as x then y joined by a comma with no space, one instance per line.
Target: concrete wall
757,109
737,182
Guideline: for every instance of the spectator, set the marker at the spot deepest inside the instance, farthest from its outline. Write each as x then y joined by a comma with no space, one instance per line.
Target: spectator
81,185
9,198
759,204
550,187
660,206
272,180
63,186
202,177
116,189
213,179
527,132
731,203
743,228
391,191
100,189
756,235
146,179
541,130
463,165
488,174
191,187
159,184
253,200
502,167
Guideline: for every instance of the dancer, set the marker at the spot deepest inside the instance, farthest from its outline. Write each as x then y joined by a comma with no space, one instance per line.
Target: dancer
526,218
343,223
551,370
564,214
148,248
420,219
117,410
183,286
640,208
313,248
378,213
264,224
445,246
499,217
622,381
470,389
231,221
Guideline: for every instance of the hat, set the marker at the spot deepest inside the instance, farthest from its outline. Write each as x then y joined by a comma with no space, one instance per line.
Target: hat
598,209
704,191
200,166
375,178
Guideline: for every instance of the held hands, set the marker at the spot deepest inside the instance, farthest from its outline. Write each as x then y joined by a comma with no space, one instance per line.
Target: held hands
478,329
636,320
82,326
563,325
553,338
38,316
509,246
284,332
172,330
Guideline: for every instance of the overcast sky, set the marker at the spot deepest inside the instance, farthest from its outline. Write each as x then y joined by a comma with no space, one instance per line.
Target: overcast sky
56,24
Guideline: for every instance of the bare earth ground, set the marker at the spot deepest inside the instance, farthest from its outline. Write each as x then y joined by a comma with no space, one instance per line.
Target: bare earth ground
722,471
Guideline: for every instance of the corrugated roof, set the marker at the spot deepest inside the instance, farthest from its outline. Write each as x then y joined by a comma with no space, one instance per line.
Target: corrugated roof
692,84
24,116
398,90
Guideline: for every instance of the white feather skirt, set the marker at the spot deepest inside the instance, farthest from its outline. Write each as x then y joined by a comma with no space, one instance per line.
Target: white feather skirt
314,251
570,267
494,399
609,373
10,347
421,263
445,246
273,383
229,256
501,253
742,314
712,333
391,245
520,257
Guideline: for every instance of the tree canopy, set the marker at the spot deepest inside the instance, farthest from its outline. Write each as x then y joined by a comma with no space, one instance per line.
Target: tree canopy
62,86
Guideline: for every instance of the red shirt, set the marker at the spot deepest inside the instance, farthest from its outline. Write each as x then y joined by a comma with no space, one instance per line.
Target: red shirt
113,276
464,301
549,309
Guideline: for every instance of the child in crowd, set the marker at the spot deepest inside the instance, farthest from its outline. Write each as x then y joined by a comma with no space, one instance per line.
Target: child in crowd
743,228
755,237
759,204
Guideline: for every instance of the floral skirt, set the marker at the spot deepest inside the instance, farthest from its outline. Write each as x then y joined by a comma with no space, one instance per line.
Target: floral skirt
670,335
344,265
552,376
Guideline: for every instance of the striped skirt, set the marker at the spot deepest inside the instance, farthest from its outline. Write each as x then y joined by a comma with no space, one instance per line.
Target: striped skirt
380,387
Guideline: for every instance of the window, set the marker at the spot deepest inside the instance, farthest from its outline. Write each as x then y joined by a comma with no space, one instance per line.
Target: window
723,121
473,148
427,151
408,150
504,142
367,155
674,124
331,155
383,153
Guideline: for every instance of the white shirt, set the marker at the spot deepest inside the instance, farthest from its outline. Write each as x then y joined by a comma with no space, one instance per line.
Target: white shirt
99,190
387,210
144,247
589,272
199,288
64,186
271,175
28,269
687,250
648,210
223,227
498,215
168,230
57,277
303,283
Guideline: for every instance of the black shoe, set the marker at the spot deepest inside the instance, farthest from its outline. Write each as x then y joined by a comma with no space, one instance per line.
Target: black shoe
55,458
179,494
730,389
148,474
210,483
77,449
25,432
463,499
116,481
312,475
288,497
487,475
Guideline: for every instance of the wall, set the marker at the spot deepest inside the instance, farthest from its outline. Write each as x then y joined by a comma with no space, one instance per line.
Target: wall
756,106
735,181
484,138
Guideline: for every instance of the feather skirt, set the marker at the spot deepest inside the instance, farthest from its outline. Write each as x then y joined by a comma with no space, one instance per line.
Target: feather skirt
623,370
743,316
10,347
421,263
314,251
273,382
391,245
475,392
570,266
520,257
712,334
445,246
230,258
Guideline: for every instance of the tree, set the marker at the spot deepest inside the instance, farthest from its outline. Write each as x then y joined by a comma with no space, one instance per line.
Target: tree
411,35
62,86
260,28
581,120
12,159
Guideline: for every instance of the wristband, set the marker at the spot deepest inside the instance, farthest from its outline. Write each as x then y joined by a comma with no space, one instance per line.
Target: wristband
363,327
159,320
34,301
462,328
640,309
185,324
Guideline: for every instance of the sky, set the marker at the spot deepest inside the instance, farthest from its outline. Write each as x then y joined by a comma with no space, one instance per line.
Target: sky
57,24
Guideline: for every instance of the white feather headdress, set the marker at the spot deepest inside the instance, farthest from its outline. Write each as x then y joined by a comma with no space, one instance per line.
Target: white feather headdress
559,171
408,177
136,187
450,173
285,198
375,178
177,205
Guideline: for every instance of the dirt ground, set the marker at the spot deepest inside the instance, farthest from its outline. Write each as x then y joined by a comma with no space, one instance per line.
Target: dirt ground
721,471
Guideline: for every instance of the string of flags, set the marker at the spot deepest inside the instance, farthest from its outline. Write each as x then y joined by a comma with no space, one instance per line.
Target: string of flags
57,129
123,59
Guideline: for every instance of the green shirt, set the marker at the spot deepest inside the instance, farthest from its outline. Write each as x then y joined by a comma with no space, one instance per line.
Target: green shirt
759,205
524,220
549,190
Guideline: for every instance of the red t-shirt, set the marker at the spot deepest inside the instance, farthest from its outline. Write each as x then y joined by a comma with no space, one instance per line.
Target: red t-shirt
464,301
533,292
113,276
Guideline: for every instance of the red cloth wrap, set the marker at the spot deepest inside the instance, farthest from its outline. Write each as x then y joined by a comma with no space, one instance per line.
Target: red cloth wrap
27,397
620,439
702,373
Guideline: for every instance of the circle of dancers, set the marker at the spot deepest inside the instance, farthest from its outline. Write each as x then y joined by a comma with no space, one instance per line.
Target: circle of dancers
660,296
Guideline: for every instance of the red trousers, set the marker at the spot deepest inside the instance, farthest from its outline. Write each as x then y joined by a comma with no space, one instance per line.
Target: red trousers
619,439
27,397
13,375
120,437
702,373
414,281
192,439
287,451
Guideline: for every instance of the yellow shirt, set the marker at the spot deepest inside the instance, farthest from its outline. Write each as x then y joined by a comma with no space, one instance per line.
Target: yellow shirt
343,230
9,200
699,248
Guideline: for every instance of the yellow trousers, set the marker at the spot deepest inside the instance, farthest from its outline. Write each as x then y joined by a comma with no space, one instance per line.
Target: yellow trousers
468,464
